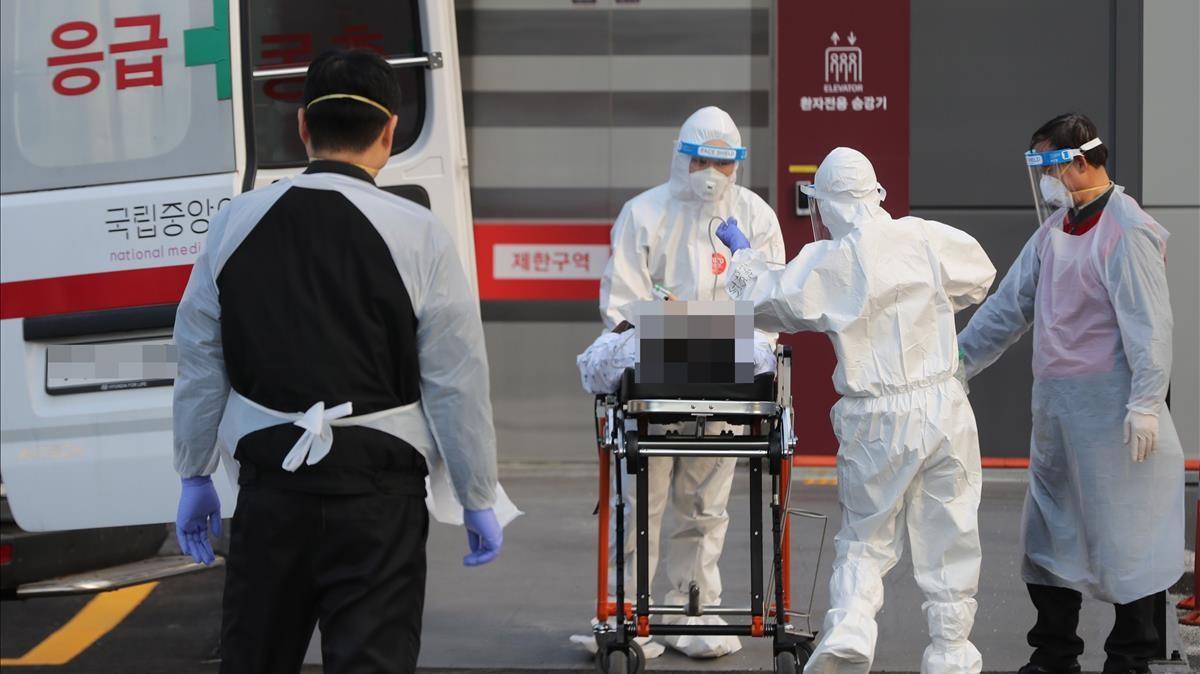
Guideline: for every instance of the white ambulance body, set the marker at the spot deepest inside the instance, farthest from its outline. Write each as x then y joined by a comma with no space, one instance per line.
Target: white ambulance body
125,125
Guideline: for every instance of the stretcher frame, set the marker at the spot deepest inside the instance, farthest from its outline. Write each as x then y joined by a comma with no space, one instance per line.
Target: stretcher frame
624,444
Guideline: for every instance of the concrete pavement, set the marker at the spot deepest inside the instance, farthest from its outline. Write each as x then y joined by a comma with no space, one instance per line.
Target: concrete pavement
517,614
541,592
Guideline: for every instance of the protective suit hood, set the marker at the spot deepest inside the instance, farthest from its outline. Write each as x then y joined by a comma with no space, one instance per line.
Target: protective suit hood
667,234
847,191
705,125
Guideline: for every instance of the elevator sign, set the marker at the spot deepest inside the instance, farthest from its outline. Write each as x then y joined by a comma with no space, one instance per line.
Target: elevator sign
843,89
843,66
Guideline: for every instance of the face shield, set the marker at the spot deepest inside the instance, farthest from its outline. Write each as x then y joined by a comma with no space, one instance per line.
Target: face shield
1045,170
716,168
820,231
843,211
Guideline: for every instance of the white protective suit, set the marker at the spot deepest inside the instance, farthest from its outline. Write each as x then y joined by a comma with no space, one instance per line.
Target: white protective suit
1094,520
667,236
886,291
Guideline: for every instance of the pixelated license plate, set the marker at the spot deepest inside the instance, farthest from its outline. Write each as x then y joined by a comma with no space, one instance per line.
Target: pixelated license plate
110,366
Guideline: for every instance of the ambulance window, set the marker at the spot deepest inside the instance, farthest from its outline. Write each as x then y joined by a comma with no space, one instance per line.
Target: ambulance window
101,92
296,32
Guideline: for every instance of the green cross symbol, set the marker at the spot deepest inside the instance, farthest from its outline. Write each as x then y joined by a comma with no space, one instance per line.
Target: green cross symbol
204,46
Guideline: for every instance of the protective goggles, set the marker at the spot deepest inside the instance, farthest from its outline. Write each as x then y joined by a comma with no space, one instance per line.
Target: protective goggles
713,152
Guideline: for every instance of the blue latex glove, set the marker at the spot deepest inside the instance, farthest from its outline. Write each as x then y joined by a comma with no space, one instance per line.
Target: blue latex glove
731,236
199,507
484,536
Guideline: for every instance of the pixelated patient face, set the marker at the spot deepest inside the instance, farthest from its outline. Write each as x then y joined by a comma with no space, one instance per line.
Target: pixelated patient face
695,343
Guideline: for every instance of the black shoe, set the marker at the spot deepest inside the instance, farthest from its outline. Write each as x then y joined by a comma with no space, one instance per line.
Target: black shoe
1038,669
1130,670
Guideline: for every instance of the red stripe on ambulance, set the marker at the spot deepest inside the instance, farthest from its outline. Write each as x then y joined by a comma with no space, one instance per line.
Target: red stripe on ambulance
92,292
515,261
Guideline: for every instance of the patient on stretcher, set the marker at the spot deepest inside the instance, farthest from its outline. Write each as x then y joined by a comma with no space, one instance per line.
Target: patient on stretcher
693,350
602,364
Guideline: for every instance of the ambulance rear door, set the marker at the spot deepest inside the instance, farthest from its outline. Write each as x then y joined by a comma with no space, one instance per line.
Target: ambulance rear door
120,127
418,37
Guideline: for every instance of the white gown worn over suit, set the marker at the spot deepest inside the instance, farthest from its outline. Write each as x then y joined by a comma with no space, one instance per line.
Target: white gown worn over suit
1094,520
885,292
667,235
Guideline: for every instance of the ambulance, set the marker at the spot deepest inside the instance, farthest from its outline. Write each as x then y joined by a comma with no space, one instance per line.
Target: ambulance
125,127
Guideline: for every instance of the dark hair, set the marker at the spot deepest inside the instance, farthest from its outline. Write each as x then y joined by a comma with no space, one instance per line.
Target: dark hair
343,123
1070,131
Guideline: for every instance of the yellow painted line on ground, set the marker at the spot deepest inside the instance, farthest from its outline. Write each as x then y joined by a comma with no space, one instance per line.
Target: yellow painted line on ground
802,168
820,481
98,617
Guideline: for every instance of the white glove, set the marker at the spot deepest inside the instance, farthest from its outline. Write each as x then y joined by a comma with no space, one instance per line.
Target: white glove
1141,434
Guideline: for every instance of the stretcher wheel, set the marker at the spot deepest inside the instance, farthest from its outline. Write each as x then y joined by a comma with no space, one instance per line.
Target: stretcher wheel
793,661
804,651
617,661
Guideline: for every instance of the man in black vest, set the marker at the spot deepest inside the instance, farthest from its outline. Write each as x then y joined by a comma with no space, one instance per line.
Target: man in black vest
329,341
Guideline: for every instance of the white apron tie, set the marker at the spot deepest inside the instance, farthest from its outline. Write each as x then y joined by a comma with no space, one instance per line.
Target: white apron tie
244,416
317,439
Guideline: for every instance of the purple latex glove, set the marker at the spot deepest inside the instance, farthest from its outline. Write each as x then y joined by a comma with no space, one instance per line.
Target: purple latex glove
199,508
484,536
731,236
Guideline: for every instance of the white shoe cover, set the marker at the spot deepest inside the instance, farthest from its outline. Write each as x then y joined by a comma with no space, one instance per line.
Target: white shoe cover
702,646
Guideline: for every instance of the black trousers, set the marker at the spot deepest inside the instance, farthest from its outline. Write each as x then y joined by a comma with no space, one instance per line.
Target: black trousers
1132,643
355,564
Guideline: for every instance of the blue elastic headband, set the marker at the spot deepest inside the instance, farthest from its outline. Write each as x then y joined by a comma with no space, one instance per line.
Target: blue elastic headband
1064,156
1050,158
712,151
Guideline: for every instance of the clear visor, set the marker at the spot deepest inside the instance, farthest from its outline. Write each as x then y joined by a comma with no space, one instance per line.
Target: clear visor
712,168
820,231
1045,170
818,199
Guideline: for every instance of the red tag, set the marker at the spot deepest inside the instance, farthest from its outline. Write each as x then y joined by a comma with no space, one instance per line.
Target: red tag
718,264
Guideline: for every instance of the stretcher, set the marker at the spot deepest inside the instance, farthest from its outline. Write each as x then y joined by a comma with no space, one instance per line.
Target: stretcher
762,413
